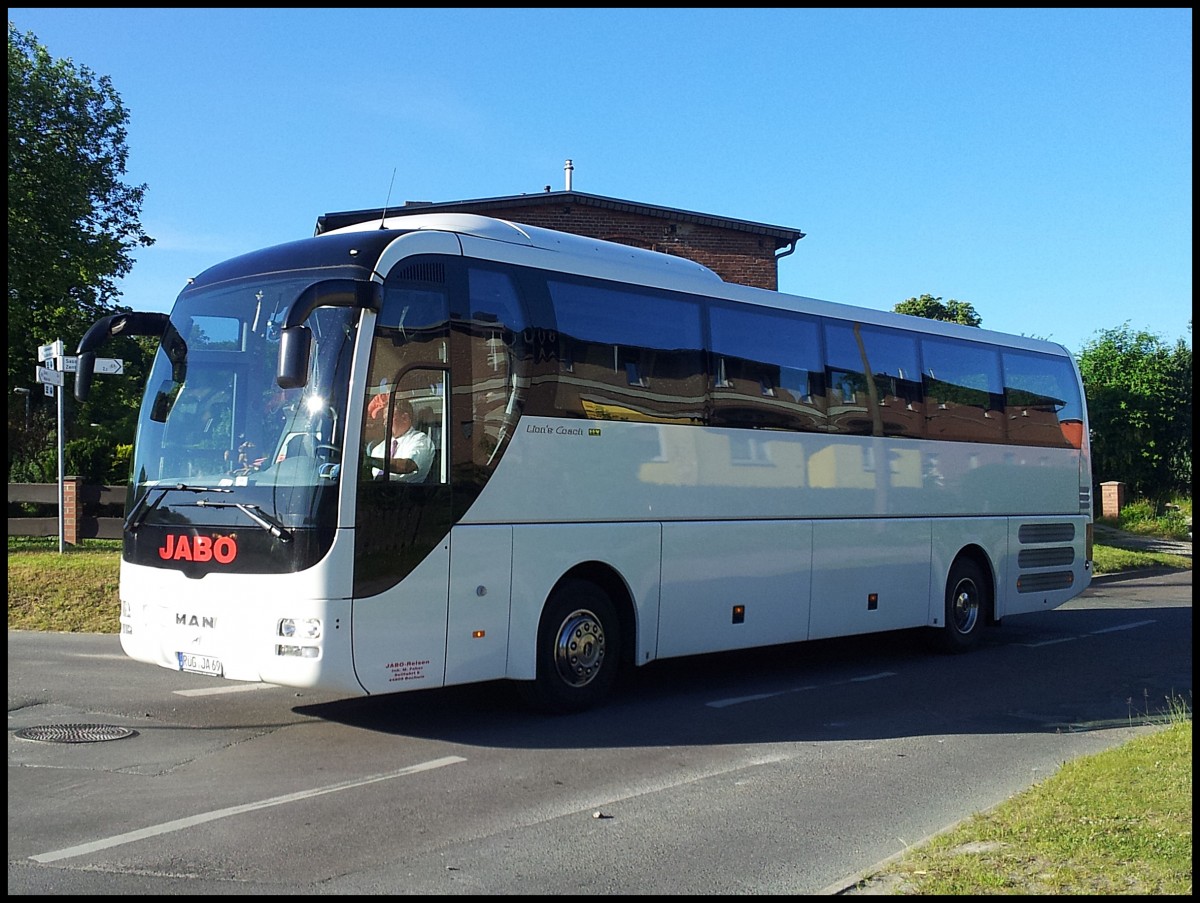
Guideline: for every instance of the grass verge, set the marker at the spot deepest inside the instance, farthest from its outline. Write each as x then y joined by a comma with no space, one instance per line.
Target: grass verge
1115,823
72,592
1111,560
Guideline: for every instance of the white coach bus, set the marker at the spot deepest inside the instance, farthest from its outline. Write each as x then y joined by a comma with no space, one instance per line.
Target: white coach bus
621,458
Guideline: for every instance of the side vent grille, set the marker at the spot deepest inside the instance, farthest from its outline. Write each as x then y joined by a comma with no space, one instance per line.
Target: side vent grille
1044,558
428,273
1039,583
1056,556
1031,533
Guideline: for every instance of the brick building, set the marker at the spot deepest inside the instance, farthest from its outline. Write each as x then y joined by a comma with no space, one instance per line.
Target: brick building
737,250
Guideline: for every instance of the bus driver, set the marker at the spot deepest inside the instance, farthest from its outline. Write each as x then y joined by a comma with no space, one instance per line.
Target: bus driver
411,450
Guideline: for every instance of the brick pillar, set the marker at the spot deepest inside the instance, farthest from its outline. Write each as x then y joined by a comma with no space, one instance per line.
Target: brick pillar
72,510
1112,498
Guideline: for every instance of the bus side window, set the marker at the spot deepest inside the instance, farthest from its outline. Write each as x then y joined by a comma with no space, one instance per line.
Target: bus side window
634,354
1039,398
846,385
874,381
896,369
497,358
402,431
766,370
412,329
963,391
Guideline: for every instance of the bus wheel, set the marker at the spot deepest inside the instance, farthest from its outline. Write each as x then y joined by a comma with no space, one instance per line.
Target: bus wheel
968,606
578,649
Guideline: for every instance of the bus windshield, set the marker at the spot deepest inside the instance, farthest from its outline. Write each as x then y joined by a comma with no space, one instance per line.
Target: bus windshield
215,418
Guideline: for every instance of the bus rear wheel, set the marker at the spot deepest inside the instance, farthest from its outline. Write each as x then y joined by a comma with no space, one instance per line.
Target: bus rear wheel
578,650
968,607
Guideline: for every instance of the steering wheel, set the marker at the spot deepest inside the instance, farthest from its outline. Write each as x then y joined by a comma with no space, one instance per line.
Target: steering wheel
327,454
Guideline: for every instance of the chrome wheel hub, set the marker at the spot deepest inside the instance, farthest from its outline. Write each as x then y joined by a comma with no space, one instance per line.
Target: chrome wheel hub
966,607
579,648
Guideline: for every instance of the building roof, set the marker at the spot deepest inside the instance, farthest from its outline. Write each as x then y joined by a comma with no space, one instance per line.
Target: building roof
782,235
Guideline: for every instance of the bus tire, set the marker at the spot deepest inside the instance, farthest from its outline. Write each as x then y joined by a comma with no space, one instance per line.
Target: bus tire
968,607
578,649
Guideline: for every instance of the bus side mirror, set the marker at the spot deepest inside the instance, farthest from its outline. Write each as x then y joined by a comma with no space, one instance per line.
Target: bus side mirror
295,343
128,323
84,371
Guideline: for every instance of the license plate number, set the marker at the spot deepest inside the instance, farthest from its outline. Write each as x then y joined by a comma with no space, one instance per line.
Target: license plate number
199,664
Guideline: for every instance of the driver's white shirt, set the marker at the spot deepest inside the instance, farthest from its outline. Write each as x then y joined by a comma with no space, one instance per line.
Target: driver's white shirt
416,446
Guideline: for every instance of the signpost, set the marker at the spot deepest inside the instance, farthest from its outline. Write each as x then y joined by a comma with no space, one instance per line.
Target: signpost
110,365
49,377
52,378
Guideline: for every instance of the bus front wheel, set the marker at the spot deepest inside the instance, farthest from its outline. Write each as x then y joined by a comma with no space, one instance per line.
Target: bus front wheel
578,649
968,606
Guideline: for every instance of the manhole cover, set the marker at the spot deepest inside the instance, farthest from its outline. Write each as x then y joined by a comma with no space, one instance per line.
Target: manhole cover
76,733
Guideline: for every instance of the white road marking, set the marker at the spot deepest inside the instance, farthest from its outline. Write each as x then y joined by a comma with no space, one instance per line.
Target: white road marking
738,700
180,824
231,688
1071,639
1122,627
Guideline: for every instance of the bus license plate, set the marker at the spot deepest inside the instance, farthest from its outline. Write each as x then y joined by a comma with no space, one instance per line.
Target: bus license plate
199,664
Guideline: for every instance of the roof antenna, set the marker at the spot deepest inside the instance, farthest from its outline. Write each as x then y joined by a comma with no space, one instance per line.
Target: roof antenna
389,197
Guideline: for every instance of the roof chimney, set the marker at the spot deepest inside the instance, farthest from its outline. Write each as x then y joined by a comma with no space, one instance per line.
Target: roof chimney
568,167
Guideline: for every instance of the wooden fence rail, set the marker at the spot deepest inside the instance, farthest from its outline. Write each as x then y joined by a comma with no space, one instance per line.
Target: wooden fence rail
79,504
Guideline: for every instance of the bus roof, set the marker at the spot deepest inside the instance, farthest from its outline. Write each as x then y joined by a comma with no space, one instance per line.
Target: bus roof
566,243
653,268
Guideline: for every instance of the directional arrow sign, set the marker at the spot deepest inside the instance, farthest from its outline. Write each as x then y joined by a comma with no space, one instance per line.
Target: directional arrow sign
45,352
111,365
49,377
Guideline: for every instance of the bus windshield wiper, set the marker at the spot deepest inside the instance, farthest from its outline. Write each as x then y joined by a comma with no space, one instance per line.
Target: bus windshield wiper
142,510
255,513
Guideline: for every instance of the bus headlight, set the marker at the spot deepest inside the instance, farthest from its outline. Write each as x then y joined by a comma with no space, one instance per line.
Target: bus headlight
301,628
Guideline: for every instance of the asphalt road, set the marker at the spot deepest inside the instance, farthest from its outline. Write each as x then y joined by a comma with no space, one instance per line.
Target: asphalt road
781,771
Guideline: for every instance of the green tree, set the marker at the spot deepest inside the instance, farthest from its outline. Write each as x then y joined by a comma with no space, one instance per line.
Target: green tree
72,227
932,308
1139,394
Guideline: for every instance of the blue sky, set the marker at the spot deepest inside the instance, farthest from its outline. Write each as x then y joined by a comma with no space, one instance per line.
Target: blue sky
1035,163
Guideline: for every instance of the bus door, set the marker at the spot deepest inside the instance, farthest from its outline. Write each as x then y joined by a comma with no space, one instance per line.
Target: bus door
402,531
